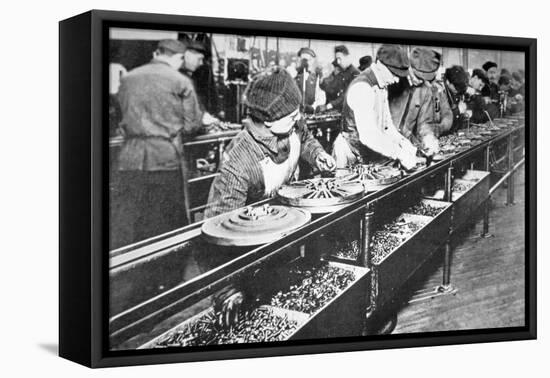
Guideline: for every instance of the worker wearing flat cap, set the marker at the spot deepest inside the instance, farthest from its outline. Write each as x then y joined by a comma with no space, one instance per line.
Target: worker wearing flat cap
368,133
365,62
480,106
341,81
159,109
491,90
416,106
456,84
264,155
308,79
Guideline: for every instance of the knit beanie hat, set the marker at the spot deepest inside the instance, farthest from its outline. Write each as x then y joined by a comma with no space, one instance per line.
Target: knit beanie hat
393,57
425,63
272,95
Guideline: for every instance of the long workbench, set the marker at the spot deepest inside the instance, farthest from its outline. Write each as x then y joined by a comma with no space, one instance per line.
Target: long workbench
156,283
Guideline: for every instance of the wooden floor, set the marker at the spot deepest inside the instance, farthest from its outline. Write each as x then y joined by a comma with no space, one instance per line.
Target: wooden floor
488,274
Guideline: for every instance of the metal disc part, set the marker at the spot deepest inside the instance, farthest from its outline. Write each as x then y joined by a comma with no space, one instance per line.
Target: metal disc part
372,176
253,225
321,195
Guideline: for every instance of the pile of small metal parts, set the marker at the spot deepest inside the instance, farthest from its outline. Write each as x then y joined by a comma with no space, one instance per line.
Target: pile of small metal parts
316,289
391,235
423,208
261,325
461,187
348,250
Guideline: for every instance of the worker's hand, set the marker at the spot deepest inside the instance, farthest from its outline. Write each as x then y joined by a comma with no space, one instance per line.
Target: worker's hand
208,119
325,162
462,107
471,91
228,304
431,145
321,109
308,109
518,97
406,154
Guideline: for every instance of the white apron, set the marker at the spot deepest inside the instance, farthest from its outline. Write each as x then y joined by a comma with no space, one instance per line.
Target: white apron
275,175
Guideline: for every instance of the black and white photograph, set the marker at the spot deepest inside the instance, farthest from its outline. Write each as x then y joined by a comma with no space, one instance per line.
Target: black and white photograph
268,189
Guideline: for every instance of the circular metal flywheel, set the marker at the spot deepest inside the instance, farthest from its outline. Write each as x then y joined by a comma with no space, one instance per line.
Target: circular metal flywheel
253,225
321,195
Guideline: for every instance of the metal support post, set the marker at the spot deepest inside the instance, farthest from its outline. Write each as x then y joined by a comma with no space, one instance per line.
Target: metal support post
487,205
366,260
510,193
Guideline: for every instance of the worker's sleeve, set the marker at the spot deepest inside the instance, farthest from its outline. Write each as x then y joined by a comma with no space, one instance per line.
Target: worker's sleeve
327,83
424,120
361,99
477,106
192,112
338,102
229,191
310,147
447,115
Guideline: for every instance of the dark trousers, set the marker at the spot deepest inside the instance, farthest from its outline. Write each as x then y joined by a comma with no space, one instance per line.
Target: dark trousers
145,204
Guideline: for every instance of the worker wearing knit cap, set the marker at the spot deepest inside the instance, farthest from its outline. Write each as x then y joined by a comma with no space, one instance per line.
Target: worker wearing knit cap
412,106
368,132
264,156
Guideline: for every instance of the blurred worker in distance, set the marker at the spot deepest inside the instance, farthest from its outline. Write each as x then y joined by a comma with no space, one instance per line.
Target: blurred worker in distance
517,86
365,62
516,93
456,83
491,70
411,105
343,80
159,109
308,79
329,84
368,133
481,107
264,155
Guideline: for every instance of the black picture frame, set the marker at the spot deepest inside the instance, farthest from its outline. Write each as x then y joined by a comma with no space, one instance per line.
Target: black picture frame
83,182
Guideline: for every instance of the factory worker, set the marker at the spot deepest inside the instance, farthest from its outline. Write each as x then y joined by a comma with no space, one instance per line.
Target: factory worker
343,79
307,80
491,70
330,83
442,113
368,133
456,84
264,155
159,108
478,100
411,101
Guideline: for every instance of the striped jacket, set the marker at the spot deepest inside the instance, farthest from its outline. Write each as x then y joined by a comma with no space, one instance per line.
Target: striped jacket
240,181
